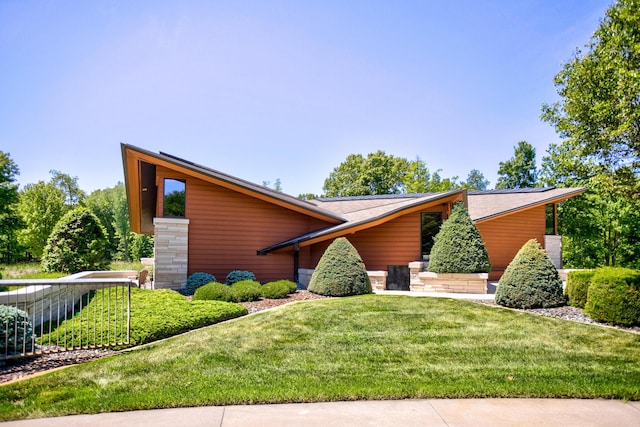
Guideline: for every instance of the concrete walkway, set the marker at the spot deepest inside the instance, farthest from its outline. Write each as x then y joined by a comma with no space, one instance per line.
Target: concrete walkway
406,413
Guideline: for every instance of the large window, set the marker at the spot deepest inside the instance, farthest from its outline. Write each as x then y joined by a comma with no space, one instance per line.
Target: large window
174,197
550,210
431,222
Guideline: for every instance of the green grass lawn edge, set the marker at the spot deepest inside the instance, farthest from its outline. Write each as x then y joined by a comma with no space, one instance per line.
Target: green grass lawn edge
356,348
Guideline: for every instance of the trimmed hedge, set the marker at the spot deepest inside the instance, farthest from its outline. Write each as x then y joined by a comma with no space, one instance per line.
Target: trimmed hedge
16,332
276,290
246,290
531,280
614,296
578,286
458,246
340,272
214,291
238,276
155,314
197,280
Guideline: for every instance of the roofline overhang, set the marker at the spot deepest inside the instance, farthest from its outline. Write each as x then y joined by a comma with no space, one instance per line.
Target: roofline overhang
555,199
340,230
131,156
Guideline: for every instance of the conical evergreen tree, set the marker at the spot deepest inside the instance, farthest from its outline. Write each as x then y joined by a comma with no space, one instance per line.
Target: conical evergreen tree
340,272
458,246
531,280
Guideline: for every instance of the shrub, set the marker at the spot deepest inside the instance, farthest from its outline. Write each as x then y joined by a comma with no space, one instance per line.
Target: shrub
78,242
276,290
246,290
614,296
238,276
577,287
340,272
458,246
531,280
16,332
214,291
196,280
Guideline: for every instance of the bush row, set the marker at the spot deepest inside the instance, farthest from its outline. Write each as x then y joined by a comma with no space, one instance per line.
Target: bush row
608,294
199,279
244,290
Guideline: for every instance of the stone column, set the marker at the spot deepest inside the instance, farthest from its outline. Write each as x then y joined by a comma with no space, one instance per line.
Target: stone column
553,247
170,250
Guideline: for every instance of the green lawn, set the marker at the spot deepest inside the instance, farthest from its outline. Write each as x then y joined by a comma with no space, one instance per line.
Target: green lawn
367,347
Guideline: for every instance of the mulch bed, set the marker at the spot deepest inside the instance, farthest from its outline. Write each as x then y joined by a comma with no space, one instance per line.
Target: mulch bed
19,368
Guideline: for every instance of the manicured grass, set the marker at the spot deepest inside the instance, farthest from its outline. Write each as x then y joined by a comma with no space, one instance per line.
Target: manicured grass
366,347
29,270
154,315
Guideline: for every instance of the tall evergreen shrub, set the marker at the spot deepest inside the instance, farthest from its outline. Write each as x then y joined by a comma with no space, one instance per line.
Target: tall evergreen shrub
340,272
614,296
78,243
531,280
577,287
458,246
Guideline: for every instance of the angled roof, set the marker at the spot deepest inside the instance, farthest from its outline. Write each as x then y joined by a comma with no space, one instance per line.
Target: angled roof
132,156
362,212
486,205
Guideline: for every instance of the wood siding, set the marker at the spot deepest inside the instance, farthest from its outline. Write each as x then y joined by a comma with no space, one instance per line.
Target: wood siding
226,228
504,236
396,242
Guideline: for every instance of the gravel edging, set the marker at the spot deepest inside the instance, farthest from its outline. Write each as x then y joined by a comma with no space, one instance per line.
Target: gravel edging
17,369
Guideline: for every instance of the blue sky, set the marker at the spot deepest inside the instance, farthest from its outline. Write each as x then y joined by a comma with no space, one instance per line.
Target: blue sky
280,89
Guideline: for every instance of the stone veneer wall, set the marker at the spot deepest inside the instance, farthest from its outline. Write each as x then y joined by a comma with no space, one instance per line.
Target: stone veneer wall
170,252
553,247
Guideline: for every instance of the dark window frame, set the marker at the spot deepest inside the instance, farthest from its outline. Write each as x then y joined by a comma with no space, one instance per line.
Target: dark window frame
436,217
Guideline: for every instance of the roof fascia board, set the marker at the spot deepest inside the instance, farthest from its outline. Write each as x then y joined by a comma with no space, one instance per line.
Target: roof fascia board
556,199
261,194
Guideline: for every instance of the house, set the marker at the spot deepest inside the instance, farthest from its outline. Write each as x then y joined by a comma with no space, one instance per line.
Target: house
205,220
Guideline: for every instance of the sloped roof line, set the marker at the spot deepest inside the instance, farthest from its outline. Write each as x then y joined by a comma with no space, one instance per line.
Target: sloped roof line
353,224
238,182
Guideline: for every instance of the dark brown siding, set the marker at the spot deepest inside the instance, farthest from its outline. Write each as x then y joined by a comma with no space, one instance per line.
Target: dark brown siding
226,229
504,236
396,242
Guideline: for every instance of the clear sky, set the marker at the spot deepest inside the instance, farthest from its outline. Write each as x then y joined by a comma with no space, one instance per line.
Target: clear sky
280,89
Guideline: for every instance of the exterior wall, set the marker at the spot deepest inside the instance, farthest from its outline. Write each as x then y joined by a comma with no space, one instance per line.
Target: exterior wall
553,246
396,242
504,236
227,228
170,250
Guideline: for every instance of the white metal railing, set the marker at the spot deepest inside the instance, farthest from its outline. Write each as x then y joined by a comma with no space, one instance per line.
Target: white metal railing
82,311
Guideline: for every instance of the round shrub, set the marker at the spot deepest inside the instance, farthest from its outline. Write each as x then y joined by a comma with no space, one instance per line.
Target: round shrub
246,290
340,272
238,276
614,296
196,280
276,290
16,332
577,287
214,291
531,280
458,246
77,243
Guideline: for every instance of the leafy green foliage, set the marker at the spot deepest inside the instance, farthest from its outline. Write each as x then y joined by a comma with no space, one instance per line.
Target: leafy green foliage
246,290
155,314
614,296
520,170
239,275
340,272
195,280
141,246
475,181
16,332
458,246
276,290
214,291
531,280
10,220
78,242
578,286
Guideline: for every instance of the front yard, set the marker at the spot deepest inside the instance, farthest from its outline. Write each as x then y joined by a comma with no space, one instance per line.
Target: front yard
367,347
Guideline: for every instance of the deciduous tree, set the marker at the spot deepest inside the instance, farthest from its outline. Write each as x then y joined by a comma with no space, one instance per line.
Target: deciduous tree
520,170
10,221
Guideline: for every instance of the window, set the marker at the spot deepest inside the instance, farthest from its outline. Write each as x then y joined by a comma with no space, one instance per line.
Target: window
431,222
174,197
550,211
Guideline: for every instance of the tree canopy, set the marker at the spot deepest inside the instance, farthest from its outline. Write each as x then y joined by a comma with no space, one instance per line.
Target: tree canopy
10,221
520,170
